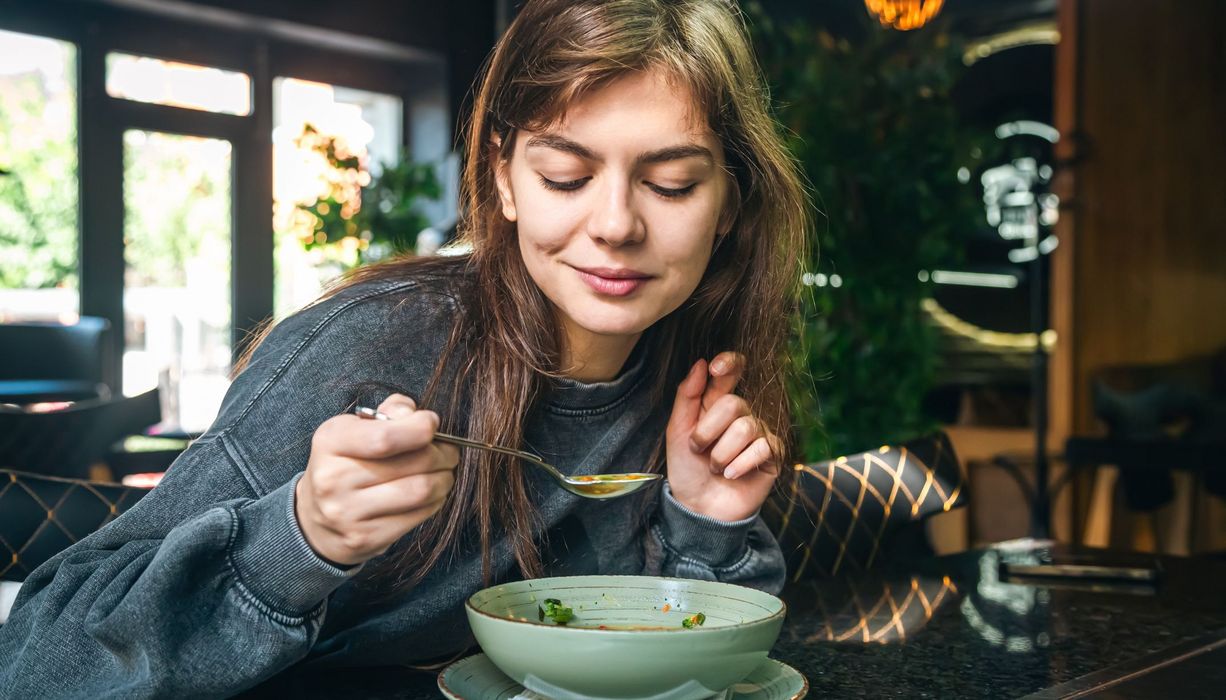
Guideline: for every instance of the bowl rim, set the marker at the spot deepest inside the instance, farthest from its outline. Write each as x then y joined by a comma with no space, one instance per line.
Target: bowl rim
780,613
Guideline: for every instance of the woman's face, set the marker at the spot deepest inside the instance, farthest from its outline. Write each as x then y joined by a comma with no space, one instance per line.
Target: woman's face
617,206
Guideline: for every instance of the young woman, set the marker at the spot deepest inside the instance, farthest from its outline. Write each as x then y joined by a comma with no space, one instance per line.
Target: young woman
636,227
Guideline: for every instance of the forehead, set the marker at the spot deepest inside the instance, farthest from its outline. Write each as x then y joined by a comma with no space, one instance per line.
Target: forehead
645,104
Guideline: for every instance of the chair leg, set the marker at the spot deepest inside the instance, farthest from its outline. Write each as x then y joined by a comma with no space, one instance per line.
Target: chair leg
1142,531
98,471
1062,501
1102,500
1212,536
1174,520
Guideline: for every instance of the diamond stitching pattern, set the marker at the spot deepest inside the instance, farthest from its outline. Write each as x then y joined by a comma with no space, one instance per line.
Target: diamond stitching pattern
841,513
41,516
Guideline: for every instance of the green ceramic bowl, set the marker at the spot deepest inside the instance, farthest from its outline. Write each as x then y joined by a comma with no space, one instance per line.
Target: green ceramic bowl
643,651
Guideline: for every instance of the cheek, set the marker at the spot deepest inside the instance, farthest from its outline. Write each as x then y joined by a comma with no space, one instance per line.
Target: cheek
544,224
685,241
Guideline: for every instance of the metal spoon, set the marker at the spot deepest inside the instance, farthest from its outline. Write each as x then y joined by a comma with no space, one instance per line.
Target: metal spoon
599,486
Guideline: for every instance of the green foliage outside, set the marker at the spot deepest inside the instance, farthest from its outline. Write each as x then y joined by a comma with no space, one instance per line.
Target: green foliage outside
38,192
177,211
881,144
365,218
177,190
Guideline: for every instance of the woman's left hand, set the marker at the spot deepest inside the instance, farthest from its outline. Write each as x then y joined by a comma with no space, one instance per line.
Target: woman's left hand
722,460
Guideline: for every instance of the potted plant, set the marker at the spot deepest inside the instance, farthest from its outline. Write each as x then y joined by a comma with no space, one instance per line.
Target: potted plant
365,217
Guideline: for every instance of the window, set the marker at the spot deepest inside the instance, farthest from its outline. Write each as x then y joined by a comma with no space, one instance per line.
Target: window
152,80
38,179
177,288
367,125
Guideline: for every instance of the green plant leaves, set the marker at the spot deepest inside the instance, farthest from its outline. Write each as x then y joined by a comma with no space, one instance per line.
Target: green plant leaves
881,144
378,219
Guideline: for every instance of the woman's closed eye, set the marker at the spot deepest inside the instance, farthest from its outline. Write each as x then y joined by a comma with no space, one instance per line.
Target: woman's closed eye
574,185
671,192
563,186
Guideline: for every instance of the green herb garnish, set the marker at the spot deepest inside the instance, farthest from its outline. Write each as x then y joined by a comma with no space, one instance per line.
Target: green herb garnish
553,609
693,621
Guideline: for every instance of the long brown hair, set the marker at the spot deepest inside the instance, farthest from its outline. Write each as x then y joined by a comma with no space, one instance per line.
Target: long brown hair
505,345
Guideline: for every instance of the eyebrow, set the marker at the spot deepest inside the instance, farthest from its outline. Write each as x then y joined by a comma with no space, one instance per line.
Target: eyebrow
561,143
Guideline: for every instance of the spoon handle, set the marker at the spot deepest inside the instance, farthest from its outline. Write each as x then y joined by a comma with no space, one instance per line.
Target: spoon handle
465,442
371,413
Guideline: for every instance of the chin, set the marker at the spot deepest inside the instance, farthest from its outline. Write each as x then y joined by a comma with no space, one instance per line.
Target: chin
604,321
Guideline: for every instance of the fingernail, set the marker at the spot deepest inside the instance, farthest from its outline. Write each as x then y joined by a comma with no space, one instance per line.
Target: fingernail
729,474
719,366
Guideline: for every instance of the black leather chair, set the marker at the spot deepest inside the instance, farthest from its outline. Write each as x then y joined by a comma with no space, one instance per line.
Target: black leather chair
54,362
42,515
67,441
1158,418
858,511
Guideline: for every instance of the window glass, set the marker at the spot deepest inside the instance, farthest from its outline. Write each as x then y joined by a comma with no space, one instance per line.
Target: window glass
177,246
38,179
145,79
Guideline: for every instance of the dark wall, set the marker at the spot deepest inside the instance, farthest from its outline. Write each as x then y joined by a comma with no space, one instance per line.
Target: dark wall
419,24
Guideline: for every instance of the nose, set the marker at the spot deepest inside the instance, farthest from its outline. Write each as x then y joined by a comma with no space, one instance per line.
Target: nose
615,220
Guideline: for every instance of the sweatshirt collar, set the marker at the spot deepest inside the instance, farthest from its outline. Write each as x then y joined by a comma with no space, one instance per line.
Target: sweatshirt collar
569,396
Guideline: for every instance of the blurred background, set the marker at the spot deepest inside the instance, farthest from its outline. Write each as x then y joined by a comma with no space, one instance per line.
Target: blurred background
1020,240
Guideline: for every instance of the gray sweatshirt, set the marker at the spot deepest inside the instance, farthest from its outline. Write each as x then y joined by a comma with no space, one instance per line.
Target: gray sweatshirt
207,586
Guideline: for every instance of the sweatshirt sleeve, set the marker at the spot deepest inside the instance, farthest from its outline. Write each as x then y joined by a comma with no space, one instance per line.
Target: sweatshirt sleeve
144,608
686,544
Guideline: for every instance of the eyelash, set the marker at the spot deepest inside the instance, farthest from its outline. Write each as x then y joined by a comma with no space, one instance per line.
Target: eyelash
574,185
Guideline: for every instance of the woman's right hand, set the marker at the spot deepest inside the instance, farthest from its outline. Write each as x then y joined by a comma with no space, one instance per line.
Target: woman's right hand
368,482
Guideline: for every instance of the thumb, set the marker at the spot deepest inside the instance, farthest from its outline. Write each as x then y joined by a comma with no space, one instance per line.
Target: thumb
688,404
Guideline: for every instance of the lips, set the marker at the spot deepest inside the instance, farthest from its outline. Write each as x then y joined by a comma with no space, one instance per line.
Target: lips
618,282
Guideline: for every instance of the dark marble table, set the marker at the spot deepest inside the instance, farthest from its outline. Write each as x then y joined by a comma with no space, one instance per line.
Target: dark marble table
945,628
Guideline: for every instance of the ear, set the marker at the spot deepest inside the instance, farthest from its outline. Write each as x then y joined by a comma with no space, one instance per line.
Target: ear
502,179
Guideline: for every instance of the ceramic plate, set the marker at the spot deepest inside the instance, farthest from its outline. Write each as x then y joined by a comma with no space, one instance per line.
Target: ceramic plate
476,678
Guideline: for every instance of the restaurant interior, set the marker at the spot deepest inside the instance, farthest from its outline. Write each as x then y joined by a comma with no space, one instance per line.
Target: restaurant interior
1010,411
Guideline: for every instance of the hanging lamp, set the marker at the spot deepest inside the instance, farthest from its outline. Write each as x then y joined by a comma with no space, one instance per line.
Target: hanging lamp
904,15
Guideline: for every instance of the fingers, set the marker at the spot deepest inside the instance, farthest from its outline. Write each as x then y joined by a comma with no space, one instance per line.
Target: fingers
725,370
739,435
716,421
760,455
397,406
432,458
410,493
687,406
350,436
